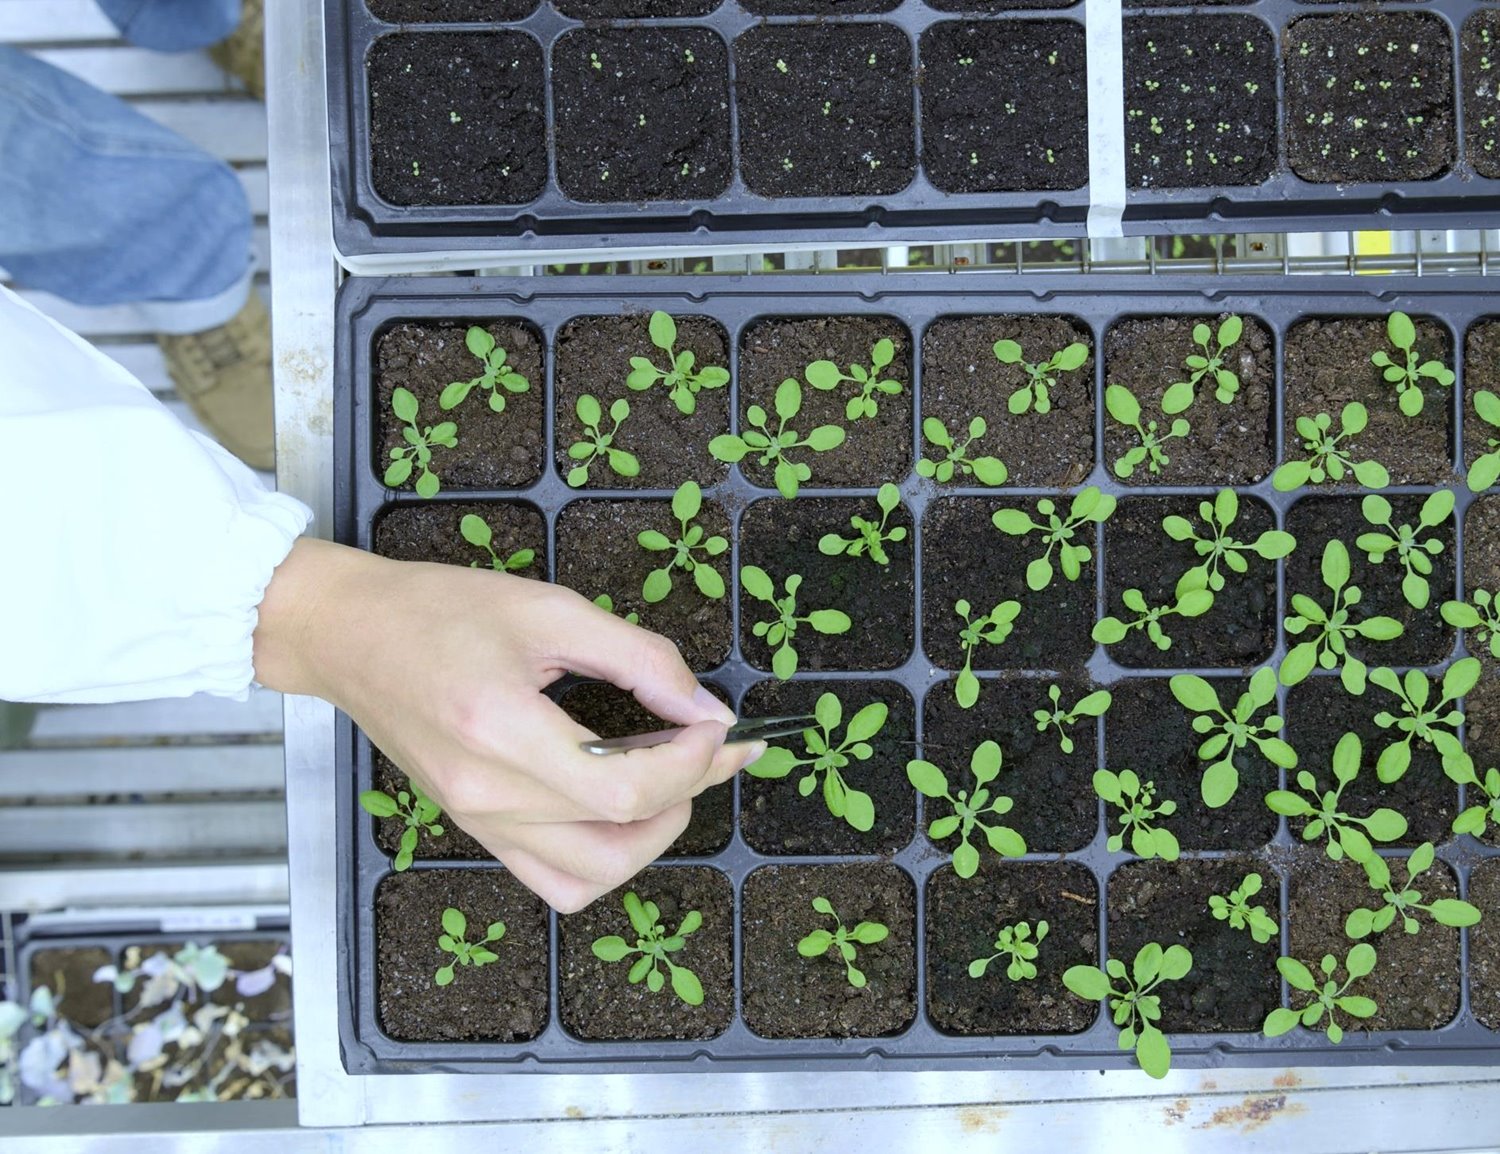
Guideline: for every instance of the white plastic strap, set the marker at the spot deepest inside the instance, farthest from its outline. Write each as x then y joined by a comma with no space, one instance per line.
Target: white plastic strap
1106,118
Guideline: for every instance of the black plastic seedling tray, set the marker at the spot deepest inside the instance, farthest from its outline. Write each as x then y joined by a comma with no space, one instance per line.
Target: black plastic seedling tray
368,307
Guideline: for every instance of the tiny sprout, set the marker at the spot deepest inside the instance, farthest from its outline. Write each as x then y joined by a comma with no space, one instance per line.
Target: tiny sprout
969,810
455,926
1327,461
1408,377
1329,645
477,532
1475,819
986,470
607,603
1125,409
1361,923
825,375
1232,732
1135,1009
1241,915
1134,798
1482,617
1485,470
818,943
779,633
1219,515
1089,507
852,805
683,383
1421,718
1327,999
686,503
1209,363
654,945
1040,378
497,372
872,537
599,443
415,811
994,627
1406,542
1095,704
773,447
1016,943
417,452
1346,836
1187,603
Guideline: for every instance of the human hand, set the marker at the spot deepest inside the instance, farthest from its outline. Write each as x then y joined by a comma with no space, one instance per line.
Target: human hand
443,667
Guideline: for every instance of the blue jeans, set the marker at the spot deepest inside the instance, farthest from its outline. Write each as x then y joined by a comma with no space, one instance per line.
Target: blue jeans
101,205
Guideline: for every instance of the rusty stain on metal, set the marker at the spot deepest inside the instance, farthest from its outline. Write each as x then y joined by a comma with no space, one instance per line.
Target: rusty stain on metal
1176,1112
981,1119
1286,1080
1253,1113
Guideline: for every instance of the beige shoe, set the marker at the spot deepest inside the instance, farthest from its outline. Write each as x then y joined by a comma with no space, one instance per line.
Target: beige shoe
224,375
243,52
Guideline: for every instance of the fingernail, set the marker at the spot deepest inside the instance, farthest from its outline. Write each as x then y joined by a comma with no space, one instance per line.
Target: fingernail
757,751
713,708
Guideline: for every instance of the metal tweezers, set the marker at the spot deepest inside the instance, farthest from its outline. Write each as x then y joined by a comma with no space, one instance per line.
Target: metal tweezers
756,729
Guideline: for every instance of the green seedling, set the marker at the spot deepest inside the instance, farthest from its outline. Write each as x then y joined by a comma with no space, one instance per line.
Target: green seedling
780,632
1344,835
985,470
1016,943
1240,914
1218,547
607,603
1485,470
686,504
497,377
1327,461
1133,1006
1124,408
844,938
978,808
993,628
599,443
830,759
1089,507
1041,378
1328,998
1139,810
416,454
683,381
825,375
476,532
1422,719
1406,541
1408,376
1331,630
1208,364
1361,923
1476,819
872,537
1228,733
416,813
455,926
655,946
1188,603
1482,618
1094,704
773,447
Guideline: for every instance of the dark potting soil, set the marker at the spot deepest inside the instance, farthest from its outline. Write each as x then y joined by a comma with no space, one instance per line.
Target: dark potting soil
776,819
504,1001
1147,731
449,11
1369,96
430,532
597,553
1003,105
454,842
1416,978
1482,554
1327,365
875,449
641,114
1055,809
966,558
1227,444
1478,49
612,712
962,379
964,916
817,7
782,537
1481,371
69,974
1482,740
987,6
275,1003
825,110
633,9
593,356
1484,944
1427,638
597,1000
1238,630
1233,984
1200,101
495,450
457,118
785,995
1319,712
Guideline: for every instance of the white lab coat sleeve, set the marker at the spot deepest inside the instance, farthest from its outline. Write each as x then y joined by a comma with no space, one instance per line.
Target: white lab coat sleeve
134,554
